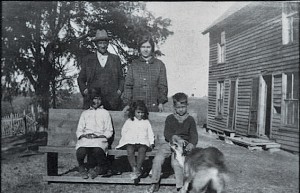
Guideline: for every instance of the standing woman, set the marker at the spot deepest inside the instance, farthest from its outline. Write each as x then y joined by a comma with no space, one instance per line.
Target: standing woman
146,79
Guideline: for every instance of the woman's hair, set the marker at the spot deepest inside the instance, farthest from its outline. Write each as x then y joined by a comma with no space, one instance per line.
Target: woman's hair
145,39
181,98
138,105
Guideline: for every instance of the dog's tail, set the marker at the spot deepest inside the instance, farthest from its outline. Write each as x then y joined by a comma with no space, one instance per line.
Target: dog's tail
209,180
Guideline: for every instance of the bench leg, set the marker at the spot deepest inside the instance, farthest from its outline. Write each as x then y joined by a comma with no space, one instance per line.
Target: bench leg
52,163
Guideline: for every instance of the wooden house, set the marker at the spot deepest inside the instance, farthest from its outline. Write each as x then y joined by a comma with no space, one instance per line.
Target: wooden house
253,87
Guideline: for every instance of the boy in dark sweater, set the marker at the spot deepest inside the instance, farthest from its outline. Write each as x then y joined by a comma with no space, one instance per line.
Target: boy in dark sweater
179,123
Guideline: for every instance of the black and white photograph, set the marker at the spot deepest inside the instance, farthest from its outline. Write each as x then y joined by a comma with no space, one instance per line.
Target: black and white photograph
150,96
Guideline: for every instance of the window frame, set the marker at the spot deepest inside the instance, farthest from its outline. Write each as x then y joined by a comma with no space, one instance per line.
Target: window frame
288,19
222,48
290,115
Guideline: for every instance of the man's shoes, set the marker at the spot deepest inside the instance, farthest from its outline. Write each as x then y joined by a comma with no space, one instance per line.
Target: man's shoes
83,172
153,188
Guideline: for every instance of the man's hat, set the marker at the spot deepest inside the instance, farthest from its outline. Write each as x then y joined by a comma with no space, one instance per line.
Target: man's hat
101,35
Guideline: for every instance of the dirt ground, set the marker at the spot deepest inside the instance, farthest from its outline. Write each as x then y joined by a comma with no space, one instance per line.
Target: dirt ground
250,171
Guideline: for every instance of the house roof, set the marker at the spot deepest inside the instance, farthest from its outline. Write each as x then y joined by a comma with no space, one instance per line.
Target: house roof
234,11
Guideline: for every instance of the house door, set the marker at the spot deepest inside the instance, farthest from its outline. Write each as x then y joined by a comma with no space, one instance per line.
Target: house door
264,106
232,105
253,111
260,110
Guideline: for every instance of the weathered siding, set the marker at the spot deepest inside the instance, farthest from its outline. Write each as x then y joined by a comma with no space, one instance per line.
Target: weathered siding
226,97
250,53
243,105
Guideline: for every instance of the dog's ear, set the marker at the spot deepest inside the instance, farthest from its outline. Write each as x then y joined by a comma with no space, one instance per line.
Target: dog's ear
178,140
185,143
173,146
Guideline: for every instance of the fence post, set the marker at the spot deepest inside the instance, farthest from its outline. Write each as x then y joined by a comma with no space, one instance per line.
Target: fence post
25,123
11,123
32,111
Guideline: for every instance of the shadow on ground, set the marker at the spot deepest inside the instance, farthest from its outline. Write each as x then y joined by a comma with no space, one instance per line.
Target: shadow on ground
25,144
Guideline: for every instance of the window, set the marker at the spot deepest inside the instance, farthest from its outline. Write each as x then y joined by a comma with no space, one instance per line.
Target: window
289,20
221,49
220,99
290,98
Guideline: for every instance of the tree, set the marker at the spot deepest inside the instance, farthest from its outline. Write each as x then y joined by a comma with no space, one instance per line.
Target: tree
40,38
9,91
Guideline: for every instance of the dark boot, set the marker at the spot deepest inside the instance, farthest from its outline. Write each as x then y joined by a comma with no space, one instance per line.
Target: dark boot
83,172
94,172
144,173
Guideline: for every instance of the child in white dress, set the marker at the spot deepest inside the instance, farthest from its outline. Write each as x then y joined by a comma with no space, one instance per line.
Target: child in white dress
93,130
137,135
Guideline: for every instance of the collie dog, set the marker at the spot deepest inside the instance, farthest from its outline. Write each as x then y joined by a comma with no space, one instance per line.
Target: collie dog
204,168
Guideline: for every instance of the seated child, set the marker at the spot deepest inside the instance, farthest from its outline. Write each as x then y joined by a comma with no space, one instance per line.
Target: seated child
137,135
93,130
179,123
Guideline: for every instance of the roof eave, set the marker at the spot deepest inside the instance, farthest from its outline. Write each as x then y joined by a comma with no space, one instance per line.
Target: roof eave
229,13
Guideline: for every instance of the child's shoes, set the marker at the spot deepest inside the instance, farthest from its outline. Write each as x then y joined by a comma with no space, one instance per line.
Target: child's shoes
133,176
135,173
83,172
153,188
94,172
144,173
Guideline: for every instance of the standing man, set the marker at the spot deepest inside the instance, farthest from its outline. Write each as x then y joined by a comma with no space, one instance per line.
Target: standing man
102,70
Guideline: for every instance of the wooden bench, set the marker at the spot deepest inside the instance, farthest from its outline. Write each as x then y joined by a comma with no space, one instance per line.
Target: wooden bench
62,140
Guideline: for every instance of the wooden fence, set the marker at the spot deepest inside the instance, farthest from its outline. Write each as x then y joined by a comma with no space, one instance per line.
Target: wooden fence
17,124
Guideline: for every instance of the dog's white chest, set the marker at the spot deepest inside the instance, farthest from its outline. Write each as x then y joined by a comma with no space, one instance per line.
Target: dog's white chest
179,157
181,160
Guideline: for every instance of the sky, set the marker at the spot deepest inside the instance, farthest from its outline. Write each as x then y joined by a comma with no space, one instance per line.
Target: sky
187,50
